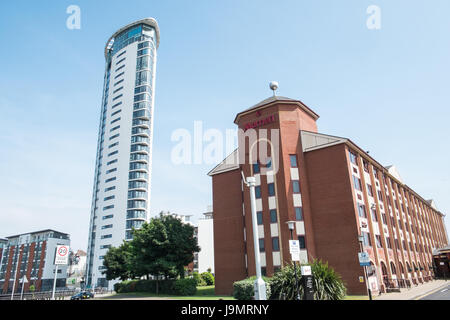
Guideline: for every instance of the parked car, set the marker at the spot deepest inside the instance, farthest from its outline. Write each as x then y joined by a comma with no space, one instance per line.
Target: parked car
80,296
89,294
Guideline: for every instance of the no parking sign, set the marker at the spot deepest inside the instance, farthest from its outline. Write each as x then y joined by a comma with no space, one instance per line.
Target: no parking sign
62,255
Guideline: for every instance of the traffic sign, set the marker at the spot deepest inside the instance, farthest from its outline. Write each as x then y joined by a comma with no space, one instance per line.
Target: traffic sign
294,246
62,255
364,259
295,256
306,270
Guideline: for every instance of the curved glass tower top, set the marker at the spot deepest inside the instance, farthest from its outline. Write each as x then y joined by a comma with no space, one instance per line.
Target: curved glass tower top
144,29
121,193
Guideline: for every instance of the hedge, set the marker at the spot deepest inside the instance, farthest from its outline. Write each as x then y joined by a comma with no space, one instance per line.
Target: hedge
244,289
179,287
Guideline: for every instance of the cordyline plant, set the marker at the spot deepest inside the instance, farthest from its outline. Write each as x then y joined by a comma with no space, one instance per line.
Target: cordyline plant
328,285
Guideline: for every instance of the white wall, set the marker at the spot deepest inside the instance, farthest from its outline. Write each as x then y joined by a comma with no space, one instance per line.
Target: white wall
206,244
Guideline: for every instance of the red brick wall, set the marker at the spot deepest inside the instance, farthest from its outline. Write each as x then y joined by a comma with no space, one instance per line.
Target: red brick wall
229,249
333,214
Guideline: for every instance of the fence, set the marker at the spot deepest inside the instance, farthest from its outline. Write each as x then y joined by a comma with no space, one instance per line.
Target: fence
44,295
397,284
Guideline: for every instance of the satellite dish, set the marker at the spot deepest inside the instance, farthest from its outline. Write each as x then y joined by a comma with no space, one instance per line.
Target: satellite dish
273,86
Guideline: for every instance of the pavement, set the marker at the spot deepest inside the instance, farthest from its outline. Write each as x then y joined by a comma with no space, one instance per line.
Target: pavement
433,290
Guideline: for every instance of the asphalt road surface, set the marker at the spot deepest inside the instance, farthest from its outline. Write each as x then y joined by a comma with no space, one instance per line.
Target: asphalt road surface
441,294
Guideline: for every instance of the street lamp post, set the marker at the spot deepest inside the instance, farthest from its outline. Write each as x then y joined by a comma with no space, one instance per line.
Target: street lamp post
366,275
291,225
260,285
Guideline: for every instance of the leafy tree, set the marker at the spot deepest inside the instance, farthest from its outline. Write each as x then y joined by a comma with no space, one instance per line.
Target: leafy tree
162,248
182,243
149,248
118,263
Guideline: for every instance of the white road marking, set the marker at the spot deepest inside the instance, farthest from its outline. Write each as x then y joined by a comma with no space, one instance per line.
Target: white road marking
444,290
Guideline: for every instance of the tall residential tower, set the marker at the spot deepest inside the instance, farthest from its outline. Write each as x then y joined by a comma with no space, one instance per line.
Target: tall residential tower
121,191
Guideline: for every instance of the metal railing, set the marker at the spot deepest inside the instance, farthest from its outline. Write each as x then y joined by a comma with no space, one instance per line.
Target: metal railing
396,284
42,295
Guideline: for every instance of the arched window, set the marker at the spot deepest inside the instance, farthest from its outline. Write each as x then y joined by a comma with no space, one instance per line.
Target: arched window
384,270
393,269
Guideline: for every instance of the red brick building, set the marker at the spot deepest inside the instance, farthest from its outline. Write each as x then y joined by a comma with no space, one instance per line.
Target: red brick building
335,192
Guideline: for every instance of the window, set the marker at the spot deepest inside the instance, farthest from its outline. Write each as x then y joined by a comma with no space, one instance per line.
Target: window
117,104
118,89
120,61
115,120
120,74
261,245
108,207
374,215
110,179
116,112
353,158
362,211
271,187
383,216
106,236
108,217
357,183
256,168
302,242
366,166
111,162
113,129
110,188
273,216
369,190
293,159
296,186
258,192
378,240
108,226
113,145
388,242
113,153
366,239
298,213
109,198
259,217
105,246
275,244
119,96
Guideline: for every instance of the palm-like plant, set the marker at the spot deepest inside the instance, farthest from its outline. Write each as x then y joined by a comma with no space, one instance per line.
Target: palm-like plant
328,284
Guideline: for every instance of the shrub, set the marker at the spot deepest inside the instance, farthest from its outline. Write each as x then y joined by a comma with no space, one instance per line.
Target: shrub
208,278
328,284
199,279
185,287
244,289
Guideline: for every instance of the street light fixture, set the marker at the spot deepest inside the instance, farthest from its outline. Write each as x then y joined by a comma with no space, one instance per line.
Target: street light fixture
291,225
259,285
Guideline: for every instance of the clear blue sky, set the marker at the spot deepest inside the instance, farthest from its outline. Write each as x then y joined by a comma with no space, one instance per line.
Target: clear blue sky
387,90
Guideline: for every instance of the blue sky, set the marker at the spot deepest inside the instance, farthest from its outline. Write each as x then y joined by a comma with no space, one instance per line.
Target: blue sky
387,90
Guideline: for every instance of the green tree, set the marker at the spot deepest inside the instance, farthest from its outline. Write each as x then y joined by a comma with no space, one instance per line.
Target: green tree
119,263
182,243
149,249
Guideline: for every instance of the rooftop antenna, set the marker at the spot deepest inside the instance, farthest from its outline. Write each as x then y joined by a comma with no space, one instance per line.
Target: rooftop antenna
273,86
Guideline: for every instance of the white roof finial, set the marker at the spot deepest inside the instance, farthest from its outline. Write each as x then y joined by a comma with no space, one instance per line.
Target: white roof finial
273,86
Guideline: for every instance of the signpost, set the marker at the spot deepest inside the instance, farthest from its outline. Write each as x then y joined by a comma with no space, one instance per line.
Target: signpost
294,249
364,259
61,258
308,283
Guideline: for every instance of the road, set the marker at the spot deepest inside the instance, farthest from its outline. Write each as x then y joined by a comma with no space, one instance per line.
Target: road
441,294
